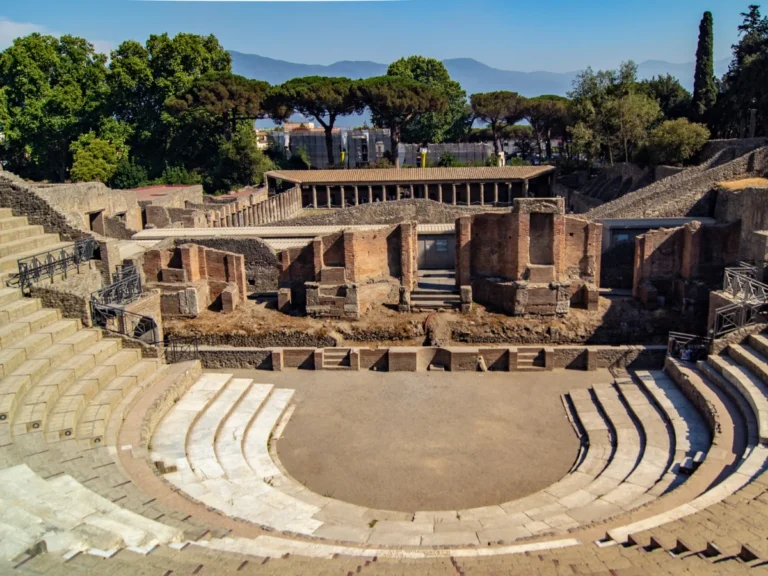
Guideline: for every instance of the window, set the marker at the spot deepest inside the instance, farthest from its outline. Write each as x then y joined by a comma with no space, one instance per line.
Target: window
441,245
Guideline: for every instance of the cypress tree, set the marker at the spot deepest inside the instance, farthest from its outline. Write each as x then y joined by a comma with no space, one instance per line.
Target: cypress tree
704,87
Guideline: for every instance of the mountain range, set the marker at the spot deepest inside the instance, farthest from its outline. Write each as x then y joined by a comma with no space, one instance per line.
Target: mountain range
474,76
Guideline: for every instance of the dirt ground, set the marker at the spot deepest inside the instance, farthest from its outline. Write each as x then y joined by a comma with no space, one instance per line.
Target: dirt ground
257,323
427,441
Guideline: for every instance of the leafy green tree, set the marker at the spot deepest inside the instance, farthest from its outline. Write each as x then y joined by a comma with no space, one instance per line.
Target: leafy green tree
633,116
53,91
95,161
324,99
743,86
239,163
549,117
434,126
128,175
704,87
221,97
675,142
498,109
674,100
143,78
394,101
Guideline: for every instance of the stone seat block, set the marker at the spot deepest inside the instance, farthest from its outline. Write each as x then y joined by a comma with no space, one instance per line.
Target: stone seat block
39,242
10,234
18,309
10,222
11,263
123,360
10,359
8,295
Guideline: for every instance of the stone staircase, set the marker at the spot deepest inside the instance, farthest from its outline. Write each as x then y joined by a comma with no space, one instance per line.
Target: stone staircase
19,239
336,358
530,360
436,290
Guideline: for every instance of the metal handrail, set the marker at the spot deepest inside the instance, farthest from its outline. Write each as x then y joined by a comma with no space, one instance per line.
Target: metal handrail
47,265
688,347
143,329
744,287
122,292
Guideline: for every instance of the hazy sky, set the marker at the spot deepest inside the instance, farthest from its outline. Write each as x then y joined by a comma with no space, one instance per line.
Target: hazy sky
552,35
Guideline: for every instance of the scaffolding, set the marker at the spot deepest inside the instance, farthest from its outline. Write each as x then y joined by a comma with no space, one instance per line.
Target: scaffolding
364,147
466,153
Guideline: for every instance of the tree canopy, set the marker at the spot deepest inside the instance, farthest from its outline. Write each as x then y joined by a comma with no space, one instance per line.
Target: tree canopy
549,116
394,101
674,100
498,109
435,126
674,142
704,87
318,97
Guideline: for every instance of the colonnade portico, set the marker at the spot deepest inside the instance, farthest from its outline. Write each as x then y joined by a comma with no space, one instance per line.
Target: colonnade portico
481,186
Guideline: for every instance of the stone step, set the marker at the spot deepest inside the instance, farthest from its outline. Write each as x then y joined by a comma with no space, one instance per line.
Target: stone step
39,242
30,346
69,517
67,410
169,438
749,385
10,264
759,342
691,434
38,403
6,213
751,359
27,373
11,222
201,438
94,419
22,327
256,441
9,235
228,443
9,295
18,309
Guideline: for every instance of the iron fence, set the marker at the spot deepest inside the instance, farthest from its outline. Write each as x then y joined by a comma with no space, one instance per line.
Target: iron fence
122,292
744,287
688,347
736,316
48,265
143,329
124,271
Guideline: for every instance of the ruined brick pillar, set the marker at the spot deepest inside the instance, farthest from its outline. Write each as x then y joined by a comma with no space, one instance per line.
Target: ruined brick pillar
190,261
463,254
409,247
317,253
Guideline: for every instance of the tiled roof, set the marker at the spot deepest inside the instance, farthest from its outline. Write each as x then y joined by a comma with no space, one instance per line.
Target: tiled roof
410,175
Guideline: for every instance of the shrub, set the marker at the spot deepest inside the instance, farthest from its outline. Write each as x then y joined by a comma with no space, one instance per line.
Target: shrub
95,161
675,142
129,175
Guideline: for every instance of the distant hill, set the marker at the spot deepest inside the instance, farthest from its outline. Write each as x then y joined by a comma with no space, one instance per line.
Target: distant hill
474,76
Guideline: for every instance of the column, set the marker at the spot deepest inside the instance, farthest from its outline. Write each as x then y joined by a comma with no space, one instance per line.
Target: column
398,192
410,189
384,192
482,193
343,200
453,187
495,192
440,193
509,192
525,188
314,196
357,196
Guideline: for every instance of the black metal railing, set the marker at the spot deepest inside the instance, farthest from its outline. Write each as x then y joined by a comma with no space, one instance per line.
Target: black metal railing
49,265
122,292
143,329
736,316
124,271
688,347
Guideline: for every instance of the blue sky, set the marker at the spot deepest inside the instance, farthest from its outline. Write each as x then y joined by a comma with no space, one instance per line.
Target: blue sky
552,35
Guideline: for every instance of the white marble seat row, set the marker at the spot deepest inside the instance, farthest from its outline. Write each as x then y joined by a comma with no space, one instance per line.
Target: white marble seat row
224,461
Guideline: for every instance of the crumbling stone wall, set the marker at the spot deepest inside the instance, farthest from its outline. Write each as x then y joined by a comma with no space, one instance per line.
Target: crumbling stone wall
689,193
261,265
533,260
749,207
174,196
683,264
24,200
71,295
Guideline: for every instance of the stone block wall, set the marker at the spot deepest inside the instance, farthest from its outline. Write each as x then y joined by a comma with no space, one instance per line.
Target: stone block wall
175,196
71,295
682,264
511,260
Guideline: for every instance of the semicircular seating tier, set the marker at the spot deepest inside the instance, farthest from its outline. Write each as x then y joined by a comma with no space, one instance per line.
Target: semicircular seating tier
111,462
